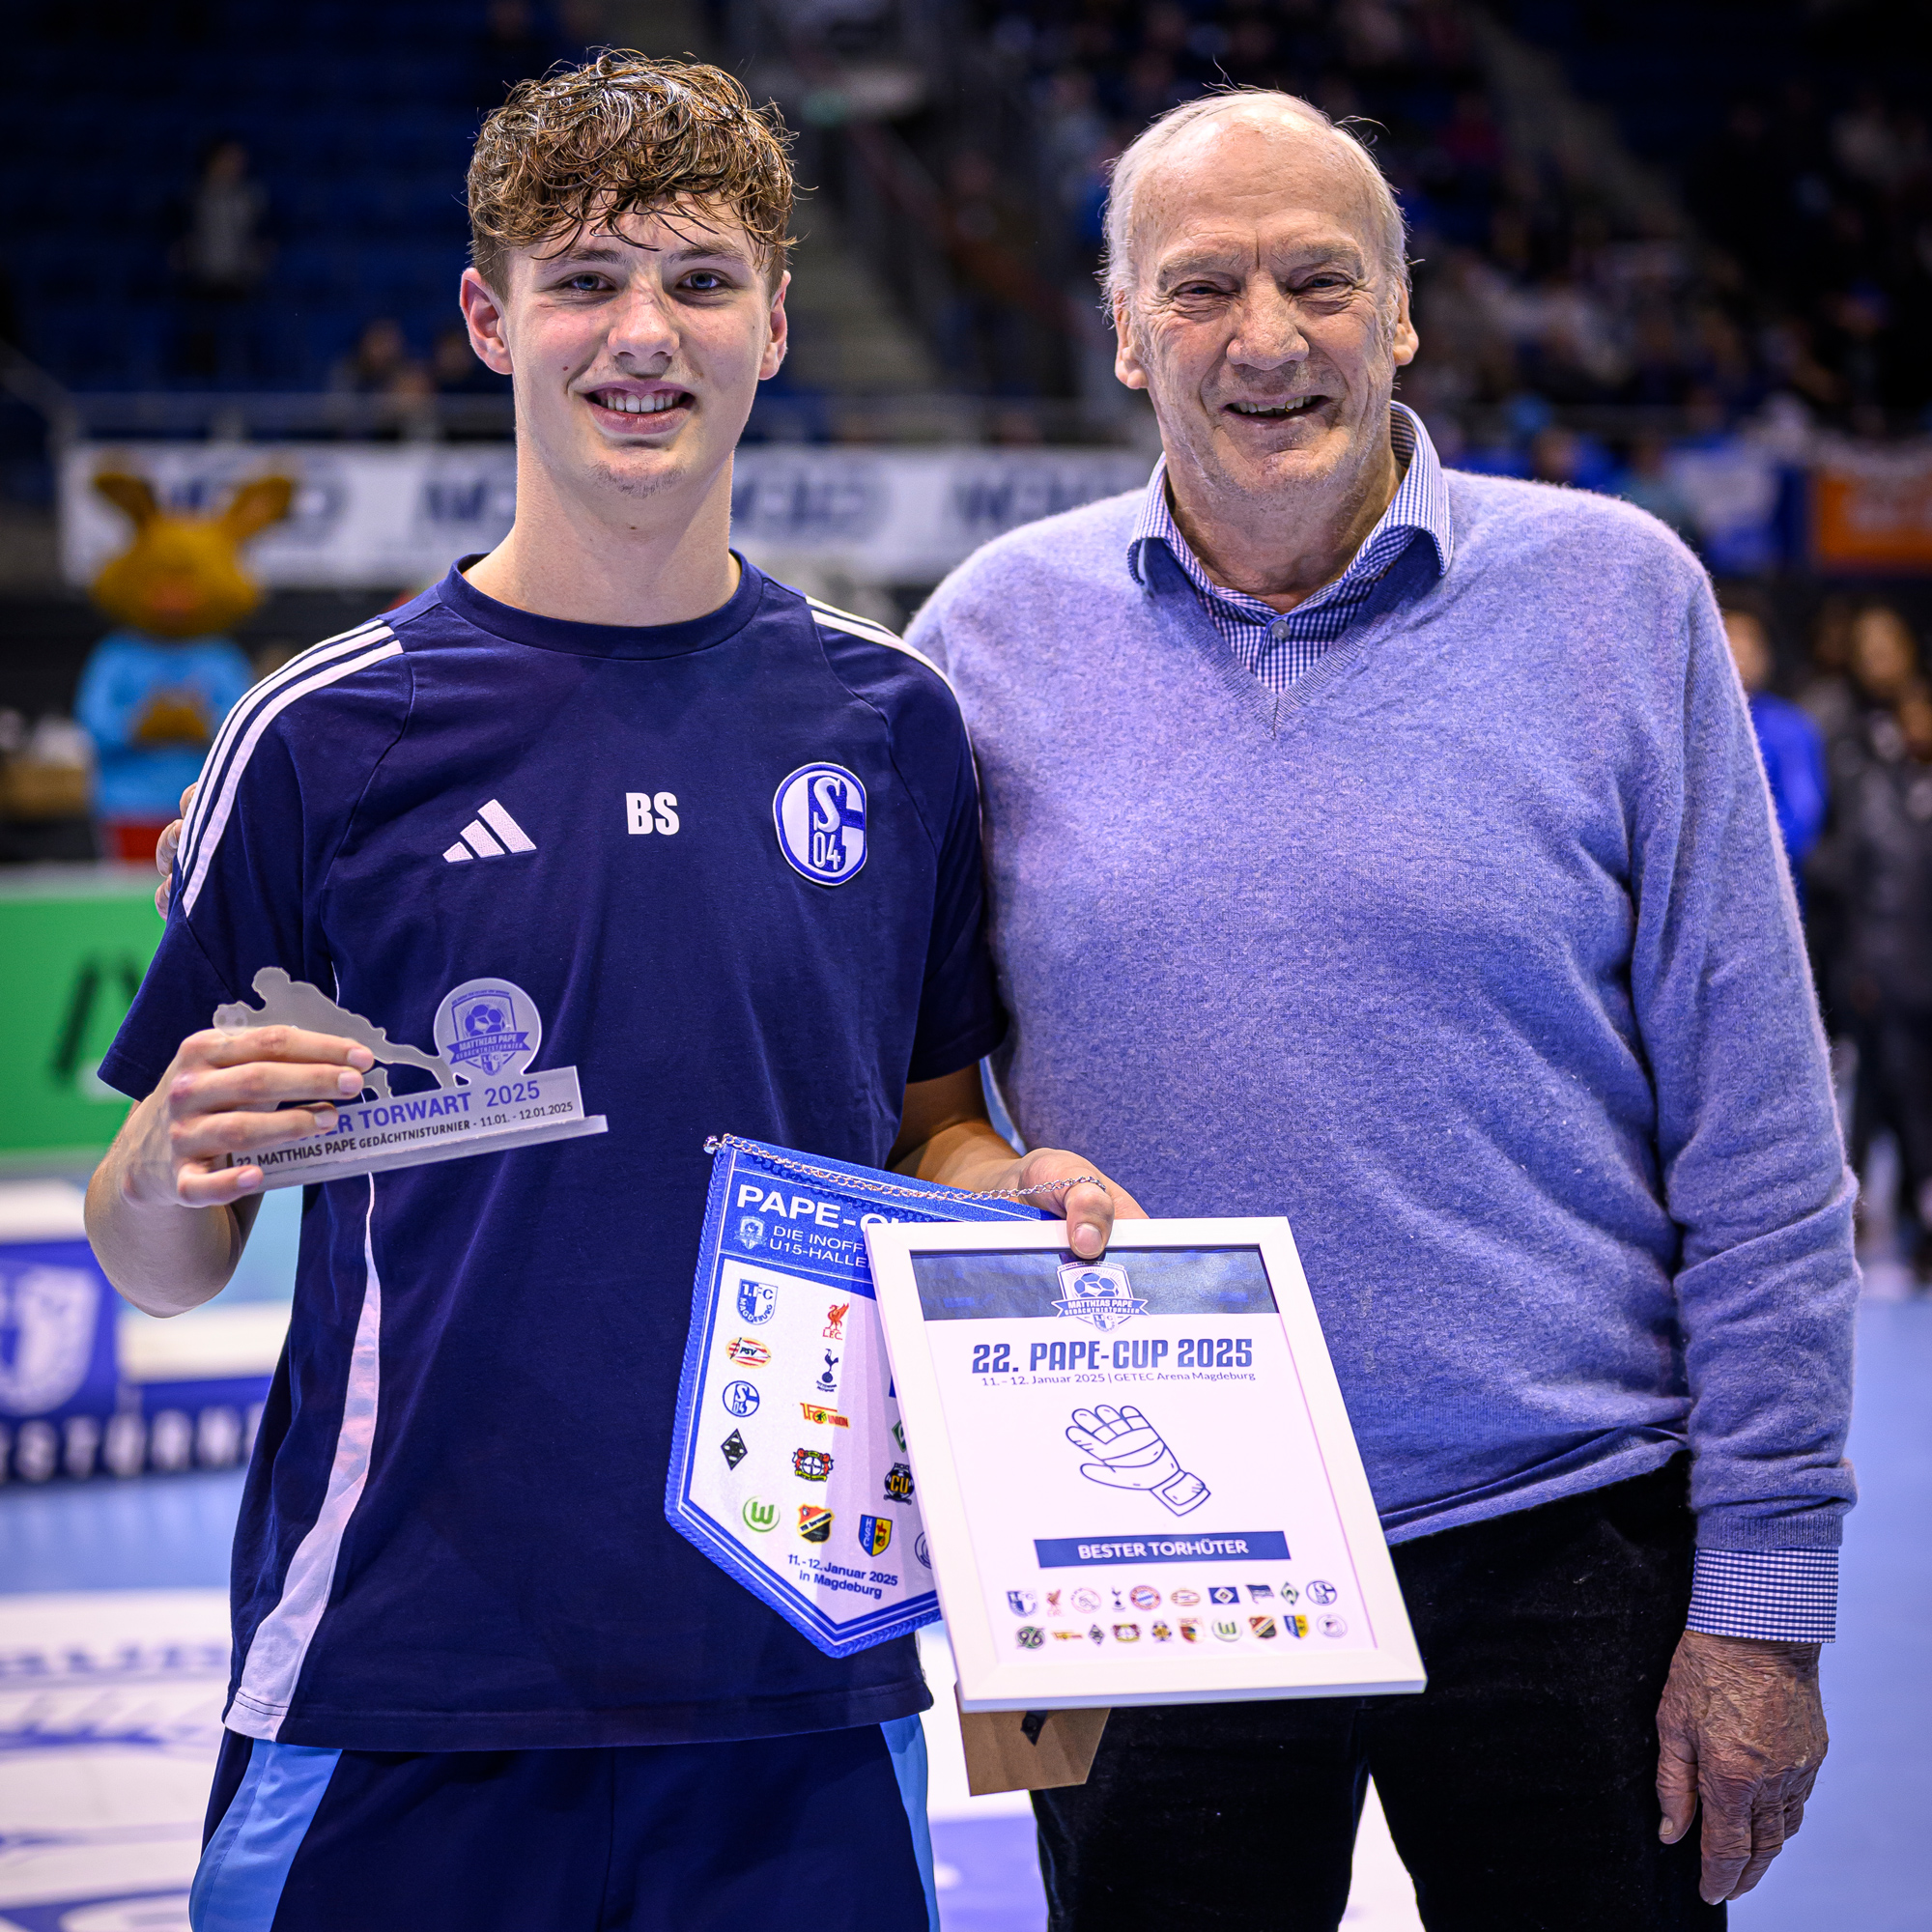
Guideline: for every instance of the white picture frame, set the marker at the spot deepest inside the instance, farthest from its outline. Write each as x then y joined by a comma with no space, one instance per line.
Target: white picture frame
992,1455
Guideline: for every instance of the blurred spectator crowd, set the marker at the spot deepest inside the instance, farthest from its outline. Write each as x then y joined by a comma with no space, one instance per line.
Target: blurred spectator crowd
1783,277
1850,766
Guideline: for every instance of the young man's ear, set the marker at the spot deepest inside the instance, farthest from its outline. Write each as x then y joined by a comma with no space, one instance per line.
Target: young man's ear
483,316
781,339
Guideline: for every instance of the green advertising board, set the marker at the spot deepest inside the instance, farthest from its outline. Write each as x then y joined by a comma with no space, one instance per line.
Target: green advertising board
74,941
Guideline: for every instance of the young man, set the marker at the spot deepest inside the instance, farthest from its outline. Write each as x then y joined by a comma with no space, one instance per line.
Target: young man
478,1681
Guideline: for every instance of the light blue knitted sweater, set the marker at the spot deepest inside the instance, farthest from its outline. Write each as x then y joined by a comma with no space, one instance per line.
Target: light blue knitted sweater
1473,954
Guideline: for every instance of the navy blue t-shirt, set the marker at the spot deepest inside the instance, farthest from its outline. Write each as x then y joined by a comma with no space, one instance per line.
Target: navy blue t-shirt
453,1534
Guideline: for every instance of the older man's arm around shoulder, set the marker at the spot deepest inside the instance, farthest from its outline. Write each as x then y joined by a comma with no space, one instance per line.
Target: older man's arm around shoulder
1754,1173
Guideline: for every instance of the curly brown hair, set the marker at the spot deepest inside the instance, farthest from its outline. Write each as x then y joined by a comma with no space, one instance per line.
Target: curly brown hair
623,134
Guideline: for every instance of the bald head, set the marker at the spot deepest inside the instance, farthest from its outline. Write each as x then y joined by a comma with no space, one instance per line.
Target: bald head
1187,138
1261,300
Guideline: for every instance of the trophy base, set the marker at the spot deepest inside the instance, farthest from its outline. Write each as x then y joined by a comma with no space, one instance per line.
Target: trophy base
417,1129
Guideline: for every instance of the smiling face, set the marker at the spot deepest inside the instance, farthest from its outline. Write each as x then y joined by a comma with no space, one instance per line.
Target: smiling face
1261,316
636,350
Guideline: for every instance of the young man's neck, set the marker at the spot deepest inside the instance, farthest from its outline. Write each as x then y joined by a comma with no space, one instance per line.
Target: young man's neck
630,561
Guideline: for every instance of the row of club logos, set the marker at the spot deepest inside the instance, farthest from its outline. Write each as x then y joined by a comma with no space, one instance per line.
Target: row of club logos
757,1302
1222,1620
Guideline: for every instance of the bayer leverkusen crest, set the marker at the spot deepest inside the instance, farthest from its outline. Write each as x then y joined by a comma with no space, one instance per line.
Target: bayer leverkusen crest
1097,1294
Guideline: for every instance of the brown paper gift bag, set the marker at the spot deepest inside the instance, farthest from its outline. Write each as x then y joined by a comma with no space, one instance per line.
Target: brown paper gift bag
1028,1750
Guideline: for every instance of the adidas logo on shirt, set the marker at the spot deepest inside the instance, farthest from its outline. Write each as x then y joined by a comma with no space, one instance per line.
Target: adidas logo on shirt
491,834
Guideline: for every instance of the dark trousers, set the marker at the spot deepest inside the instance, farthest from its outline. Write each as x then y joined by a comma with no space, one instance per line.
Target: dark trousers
1520,1787
1894,1090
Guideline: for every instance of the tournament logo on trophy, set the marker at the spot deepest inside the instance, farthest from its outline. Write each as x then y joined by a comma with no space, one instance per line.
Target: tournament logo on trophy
1097,1294
485,1099
488,1027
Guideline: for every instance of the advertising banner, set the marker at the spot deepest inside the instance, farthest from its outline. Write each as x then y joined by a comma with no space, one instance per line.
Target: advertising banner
1871,510
397,515
75,942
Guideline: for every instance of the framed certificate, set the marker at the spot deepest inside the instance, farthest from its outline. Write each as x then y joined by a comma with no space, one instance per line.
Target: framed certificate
1137,1476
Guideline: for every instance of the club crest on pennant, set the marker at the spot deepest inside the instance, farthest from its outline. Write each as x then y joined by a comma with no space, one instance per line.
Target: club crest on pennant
1097,1294
757,1300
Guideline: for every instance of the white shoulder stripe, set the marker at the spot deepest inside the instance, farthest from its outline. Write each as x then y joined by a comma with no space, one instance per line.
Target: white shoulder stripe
246,705
835,619
850,621
297,666
216,821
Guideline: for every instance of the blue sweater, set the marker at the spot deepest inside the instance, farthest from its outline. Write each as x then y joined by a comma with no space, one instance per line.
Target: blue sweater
1473,954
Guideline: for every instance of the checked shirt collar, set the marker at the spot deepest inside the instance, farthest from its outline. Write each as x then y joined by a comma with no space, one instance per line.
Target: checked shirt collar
1276,647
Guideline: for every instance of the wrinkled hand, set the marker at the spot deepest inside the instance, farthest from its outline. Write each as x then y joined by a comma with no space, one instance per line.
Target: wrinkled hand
165,848
1130,1454
1740,1729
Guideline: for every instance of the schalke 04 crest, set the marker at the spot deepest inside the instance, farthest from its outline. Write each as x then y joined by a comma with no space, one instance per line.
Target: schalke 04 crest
820,814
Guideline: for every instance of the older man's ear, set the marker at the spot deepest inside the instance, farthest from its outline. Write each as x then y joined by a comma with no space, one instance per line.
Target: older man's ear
1404,342
1126,359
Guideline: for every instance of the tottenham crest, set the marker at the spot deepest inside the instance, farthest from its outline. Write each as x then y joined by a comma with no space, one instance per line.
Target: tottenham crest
486,1028
1098,1293
820,815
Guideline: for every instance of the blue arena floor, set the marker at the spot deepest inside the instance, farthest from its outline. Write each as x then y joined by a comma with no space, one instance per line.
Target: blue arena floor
1864,1860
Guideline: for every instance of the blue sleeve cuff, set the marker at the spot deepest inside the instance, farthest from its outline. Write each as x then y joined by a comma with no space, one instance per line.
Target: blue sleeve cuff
1781,1596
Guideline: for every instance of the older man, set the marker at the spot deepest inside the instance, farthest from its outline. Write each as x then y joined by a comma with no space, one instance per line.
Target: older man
1402,834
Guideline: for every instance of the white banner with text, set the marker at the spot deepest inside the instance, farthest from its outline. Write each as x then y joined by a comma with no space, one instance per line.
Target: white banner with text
396,515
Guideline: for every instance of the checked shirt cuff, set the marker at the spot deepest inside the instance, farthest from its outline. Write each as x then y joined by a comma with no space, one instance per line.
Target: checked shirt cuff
1782,1595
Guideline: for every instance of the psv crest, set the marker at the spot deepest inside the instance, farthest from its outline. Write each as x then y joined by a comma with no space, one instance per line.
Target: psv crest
820,814
1097,1294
